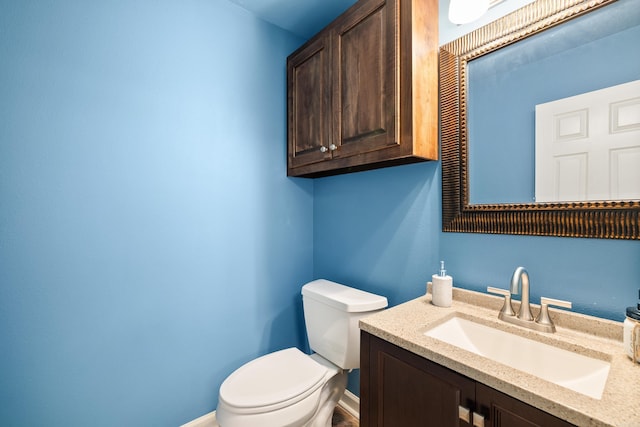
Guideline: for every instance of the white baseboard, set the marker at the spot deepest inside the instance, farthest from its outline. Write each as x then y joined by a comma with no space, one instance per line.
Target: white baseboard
349,402
207,420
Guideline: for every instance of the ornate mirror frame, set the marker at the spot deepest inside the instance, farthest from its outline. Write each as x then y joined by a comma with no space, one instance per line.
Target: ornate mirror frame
606,219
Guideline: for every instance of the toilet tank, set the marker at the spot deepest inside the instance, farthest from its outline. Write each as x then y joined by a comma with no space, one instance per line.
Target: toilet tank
331,315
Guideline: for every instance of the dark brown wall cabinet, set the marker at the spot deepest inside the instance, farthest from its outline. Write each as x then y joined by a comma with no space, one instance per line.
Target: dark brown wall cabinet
363,93
400,388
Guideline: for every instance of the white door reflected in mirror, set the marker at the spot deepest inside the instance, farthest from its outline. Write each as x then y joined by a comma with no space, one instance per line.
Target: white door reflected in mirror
588,146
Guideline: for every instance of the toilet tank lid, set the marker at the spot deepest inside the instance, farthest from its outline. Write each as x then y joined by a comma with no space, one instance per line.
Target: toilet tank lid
343,297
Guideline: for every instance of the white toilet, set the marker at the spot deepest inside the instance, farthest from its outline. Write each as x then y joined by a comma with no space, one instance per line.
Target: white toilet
289,388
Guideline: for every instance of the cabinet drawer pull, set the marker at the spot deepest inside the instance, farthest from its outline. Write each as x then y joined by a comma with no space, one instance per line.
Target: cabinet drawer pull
323,149
478,420
464,414
332,147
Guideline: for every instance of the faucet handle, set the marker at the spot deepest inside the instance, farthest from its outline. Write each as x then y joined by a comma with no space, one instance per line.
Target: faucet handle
543,317
503,292
507,309
555,302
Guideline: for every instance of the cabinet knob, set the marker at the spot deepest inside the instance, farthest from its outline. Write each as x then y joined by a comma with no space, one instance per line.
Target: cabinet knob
332,147
323,149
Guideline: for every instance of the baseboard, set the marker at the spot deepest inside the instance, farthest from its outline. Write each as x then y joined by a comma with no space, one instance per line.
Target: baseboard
349,402
207,420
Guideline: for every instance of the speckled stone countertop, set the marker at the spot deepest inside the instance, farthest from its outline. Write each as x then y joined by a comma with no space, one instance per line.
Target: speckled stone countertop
404,325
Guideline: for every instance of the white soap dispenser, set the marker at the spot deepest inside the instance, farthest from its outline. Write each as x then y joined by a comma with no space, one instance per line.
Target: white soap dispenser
441,288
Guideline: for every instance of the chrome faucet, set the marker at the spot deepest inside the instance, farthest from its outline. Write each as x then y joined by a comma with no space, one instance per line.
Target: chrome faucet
520,276
520,285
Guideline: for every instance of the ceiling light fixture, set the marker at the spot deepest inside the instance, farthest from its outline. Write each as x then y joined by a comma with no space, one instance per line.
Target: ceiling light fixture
466,11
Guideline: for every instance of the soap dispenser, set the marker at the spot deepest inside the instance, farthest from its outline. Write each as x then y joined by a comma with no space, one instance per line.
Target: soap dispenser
442,288
631,336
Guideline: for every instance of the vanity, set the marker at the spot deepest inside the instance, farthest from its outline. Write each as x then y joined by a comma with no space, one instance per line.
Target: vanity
410,378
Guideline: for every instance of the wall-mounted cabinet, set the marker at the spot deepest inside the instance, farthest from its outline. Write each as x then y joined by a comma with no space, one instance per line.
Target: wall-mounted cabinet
363,93
400,388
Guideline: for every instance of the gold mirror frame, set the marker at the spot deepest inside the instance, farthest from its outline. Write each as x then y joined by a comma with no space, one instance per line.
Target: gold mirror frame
606,219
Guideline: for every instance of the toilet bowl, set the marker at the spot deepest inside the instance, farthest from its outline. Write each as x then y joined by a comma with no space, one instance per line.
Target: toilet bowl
284,388
289,388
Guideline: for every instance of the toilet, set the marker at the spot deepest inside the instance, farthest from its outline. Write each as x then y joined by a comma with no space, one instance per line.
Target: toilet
289,388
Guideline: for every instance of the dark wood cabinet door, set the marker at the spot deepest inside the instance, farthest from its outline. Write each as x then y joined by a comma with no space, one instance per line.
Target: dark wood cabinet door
364,92
501,410
399,388
309,104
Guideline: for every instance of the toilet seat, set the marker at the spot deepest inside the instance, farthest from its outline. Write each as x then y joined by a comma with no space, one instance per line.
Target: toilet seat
273,381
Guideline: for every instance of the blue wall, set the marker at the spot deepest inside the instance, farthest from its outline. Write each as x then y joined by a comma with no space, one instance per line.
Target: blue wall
150,242
380,231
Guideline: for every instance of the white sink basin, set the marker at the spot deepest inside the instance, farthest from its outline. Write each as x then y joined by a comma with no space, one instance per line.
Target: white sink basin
574,371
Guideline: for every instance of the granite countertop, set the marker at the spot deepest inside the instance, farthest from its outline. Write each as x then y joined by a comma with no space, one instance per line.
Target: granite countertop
404,325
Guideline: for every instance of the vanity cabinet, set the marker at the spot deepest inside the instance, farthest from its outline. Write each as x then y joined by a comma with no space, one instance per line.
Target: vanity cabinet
400,388
363,93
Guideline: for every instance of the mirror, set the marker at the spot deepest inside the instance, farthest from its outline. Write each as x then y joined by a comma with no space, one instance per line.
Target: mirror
484,155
